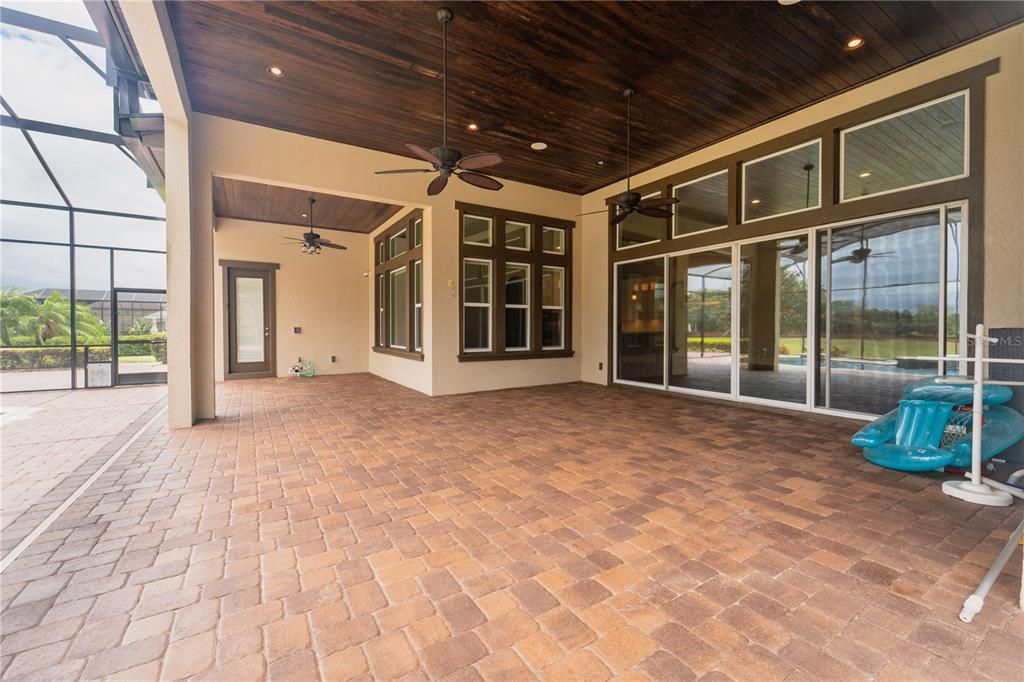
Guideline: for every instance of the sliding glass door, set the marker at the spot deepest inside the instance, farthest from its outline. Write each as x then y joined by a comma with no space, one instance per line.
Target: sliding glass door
700,316
774,337
640,328
832,318
879,302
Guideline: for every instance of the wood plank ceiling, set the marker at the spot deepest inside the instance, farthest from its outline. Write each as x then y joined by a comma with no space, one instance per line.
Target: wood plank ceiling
368,73
285,205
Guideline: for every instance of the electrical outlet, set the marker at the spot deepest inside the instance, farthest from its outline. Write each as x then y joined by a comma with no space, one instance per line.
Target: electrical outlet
334,358
600,366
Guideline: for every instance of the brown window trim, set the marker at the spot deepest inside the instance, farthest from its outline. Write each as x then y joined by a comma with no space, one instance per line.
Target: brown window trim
970,188
499,255
382,290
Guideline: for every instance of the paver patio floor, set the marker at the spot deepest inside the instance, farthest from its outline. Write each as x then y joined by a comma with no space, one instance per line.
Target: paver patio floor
345,527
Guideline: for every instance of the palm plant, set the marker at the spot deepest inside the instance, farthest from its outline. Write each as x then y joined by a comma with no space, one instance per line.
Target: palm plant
15,306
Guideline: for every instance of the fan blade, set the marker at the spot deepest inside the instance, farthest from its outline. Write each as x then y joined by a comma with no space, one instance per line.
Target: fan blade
295,239
592,213
843,259
424,154
404,170
436,185
619,218
478,161
332,245
656,202
481,181
654,212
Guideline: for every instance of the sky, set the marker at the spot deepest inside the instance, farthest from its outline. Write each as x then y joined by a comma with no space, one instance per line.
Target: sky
42,79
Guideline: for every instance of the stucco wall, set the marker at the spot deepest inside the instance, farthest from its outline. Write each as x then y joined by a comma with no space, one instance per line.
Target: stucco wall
249,152
1004,182
323,294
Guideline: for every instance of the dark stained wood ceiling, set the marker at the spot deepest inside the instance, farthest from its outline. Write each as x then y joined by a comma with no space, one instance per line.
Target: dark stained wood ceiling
285,205
368,73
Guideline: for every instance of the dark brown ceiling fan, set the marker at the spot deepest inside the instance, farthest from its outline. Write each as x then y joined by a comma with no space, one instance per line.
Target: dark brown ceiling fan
446,161
311,241
633,202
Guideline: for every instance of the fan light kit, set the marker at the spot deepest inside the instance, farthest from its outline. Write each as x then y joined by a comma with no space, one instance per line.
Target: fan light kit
444,160
312,242
630,202
275,71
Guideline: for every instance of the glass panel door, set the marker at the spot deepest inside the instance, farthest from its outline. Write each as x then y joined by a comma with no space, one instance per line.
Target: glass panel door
878,308
701,314
140,336
640,332
773,319
250,326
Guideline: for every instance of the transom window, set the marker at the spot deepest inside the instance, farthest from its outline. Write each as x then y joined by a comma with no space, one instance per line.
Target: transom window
398,292
782,183
703,205
915,147
515,290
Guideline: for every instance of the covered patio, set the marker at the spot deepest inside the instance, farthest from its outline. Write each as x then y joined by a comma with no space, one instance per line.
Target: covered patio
343,527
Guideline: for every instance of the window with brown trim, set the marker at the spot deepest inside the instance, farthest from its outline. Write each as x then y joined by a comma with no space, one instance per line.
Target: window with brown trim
515,284
398,288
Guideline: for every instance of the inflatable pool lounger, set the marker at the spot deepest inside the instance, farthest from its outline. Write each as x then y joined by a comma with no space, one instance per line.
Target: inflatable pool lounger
931,428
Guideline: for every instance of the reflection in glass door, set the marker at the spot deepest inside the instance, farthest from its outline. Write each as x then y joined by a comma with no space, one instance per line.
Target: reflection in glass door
640,332
140,336
701,320
773,319
878,308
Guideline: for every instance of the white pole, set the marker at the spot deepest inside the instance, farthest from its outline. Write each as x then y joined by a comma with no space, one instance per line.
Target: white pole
976,490
979,405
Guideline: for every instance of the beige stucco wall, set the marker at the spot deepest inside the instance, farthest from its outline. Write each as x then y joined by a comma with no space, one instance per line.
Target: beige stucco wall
244,151
1004,183
324,295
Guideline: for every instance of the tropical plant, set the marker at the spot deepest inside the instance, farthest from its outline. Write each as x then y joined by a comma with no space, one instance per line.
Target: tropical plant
140,327
15,305
44,321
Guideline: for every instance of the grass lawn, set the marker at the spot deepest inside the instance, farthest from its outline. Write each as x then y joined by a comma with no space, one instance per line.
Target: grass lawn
874,349
140,359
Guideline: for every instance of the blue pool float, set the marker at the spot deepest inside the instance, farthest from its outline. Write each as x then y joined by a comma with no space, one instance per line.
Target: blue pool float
928,431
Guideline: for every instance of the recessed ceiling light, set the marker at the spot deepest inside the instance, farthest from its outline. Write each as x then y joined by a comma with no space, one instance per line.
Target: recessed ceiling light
865,174
787,3
275,71
600,163
473,127
305,215
854,42
539,146
755,201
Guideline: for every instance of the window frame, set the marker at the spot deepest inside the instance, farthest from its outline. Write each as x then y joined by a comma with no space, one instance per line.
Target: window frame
536,258
559,308
841,161
490,232
529,235
391,317
687,183
489,304
742,195
382,287
520,306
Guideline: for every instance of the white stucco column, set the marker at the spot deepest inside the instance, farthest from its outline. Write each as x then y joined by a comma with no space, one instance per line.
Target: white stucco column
190,375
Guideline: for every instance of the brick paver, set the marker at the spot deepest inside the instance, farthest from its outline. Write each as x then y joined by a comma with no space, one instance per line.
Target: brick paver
345,527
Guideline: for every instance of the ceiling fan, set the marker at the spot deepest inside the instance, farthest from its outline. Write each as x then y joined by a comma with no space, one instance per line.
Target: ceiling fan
311,241
860,255
630,202
444,160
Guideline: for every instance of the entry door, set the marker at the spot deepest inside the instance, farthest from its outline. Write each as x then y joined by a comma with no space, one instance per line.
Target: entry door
139,339
250,315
